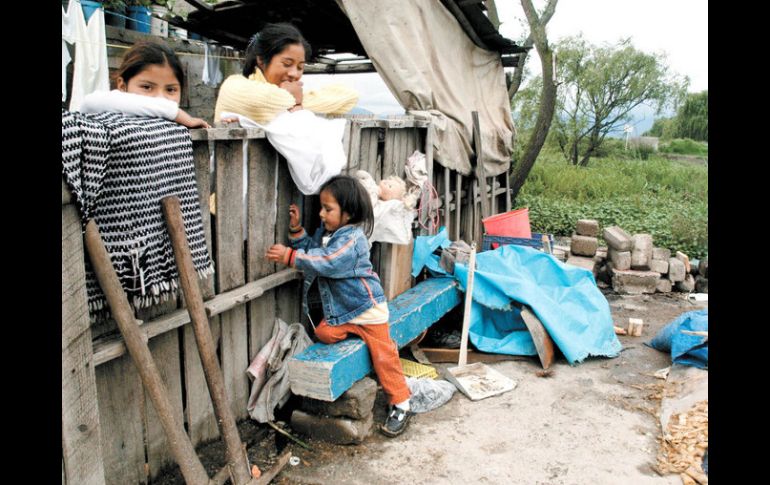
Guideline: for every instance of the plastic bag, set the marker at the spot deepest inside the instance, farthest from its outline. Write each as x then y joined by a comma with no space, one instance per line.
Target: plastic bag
429,394
311,145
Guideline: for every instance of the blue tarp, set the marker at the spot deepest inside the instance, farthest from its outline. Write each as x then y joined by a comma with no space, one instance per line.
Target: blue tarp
692,350
564,298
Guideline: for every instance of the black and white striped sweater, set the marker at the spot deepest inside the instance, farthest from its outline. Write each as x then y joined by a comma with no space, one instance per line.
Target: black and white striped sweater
119,168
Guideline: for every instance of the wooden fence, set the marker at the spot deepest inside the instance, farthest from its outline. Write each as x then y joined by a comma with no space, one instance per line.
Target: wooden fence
110,430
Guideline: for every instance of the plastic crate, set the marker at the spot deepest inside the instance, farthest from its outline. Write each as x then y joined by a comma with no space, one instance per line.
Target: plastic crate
536,241
414,369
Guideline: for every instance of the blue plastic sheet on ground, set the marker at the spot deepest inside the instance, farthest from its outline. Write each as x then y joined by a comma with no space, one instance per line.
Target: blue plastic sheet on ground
565,299
692,350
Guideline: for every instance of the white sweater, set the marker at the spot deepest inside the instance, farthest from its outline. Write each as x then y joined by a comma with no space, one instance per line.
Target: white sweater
128,103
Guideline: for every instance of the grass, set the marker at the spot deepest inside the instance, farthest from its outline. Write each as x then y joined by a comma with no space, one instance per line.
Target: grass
666,199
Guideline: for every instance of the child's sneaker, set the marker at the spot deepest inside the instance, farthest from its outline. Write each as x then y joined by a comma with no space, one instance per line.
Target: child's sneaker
396,422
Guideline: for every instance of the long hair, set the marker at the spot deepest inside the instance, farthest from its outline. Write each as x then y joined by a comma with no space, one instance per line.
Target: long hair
145,53
272,40
353,199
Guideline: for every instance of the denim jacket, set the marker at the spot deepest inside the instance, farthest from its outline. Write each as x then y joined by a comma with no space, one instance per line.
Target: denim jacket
346,281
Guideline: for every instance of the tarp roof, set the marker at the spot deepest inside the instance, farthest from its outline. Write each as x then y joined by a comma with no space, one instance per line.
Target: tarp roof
324,24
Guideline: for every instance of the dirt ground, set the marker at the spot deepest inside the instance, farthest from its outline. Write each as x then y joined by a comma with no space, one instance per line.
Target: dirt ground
596,422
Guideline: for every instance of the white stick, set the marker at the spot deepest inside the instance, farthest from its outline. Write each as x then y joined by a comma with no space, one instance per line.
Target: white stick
467,311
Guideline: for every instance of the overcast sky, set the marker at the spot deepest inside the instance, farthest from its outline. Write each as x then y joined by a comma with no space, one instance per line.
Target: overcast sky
678,28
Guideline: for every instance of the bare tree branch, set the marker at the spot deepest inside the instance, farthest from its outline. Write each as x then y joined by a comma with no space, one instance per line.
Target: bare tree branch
518,72
547,96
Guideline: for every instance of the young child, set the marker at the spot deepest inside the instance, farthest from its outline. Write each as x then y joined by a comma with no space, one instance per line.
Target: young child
352,298
149,83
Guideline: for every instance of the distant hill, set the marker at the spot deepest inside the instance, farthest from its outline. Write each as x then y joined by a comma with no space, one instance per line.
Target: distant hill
363,111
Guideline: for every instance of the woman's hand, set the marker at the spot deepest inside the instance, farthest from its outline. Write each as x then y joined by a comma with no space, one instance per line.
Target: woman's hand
293,216
295,88
276,253
186,120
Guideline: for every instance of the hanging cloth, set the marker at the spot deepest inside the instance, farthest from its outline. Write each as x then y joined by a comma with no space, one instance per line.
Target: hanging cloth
91,69
212,74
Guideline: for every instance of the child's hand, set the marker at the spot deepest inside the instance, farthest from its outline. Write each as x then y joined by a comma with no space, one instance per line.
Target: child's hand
186,120
293,216
277,253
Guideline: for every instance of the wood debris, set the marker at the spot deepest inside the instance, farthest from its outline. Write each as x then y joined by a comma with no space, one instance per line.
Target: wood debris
684,443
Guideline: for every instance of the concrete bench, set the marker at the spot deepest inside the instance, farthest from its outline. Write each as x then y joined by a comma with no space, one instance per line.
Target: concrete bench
326,371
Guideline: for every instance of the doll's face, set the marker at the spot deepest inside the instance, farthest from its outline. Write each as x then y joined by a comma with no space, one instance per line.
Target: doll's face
390,189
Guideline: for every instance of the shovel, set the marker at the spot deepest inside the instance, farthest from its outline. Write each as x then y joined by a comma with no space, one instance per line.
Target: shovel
477,381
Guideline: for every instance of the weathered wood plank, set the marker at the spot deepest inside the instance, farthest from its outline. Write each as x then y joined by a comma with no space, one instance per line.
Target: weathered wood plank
263,186
165,352
429,165
288,298
113,347
447,211
198,410
458,204
389,154
370,162
66,195
507,192
395,122
121,405
250,291
201,157
396,268
81,446
326,371
225,134
354,155
231,271
346,139
452,355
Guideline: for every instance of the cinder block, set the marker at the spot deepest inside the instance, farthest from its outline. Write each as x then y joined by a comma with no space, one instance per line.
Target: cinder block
357,402
587,227
676,270
631,282
617,238
641,255
659,266
661,254
663,285
620,259
341,431
584,245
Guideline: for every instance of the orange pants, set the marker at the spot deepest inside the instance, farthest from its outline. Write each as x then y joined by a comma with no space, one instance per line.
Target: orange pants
382,349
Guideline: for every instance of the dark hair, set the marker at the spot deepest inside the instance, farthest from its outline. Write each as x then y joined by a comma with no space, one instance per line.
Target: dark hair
145,53
272,40
353,199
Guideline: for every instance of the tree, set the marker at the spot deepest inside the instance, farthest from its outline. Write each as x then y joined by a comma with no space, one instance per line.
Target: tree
600,85
542,124
692,119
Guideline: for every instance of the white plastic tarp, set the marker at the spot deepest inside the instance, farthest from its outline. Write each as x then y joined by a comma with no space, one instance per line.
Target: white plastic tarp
435,71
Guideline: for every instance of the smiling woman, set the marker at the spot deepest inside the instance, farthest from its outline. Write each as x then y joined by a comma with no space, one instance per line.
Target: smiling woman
271,80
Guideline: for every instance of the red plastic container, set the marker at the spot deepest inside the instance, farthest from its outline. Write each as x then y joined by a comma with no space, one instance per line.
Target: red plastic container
514,223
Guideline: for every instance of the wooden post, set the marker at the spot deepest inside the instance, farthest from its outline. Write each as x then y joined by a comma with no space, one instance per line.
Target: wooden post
447,212
189,464
237,461
81,446
288,298
199,410
230,271
458,205
262,183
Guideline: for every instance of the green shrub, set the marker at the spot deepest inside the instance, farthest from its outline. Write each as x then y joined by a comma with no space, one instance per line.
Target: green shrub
656,196
685,146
